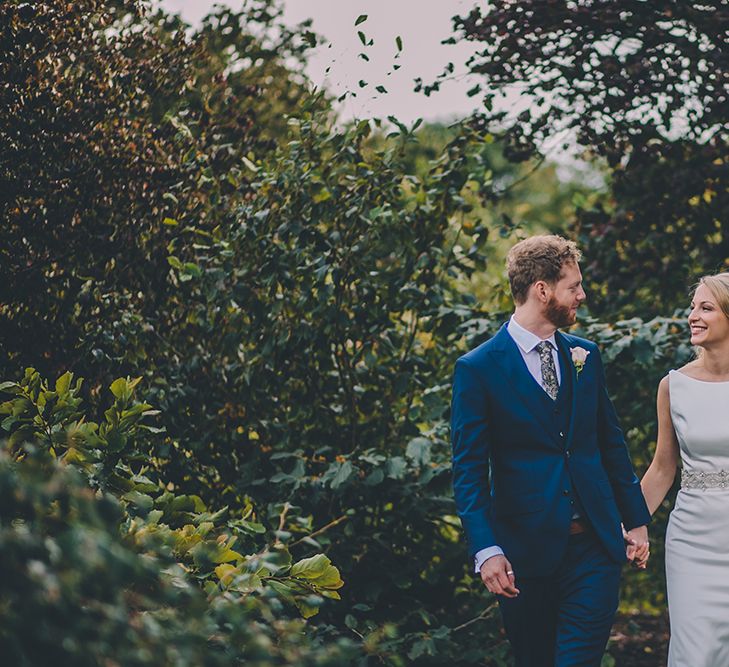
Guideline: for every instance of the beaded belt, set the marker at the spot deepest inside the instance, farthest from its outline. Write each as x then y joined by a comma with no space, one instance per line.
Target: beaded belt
716,479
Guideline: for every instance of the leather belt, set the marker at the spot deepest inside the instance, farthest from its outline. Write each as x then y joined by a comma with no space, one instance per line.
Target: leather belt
579,526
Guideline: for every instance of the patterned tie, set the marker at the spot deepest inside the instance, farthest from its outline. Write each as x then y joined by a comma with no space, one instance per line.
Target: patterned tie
549,372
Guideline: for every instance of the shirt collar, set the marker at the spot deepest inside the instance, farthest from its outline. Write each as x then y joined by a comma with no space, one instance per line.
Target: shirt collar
525,339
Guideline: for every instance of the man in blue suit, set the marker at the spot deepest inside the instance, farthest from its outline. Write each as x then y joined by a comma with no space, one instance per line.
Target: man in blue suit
542,477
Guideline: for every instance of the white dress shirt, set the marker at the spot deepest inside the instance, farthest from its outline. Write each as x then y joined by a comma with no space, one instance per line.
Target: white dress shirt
527,343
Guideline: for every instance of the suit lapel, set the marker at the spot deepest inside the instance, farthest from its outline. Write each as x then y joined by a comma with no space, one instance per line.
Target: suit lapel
568,367
508,357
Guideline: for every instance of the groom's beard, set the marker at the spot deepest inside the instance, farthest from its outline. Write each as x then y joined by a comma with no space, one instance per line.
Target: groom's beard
559,315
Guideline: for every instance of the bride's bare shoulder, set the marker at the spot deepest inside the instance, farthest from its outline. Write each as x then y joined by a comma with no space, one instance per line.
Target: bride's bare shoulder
663,389
690,369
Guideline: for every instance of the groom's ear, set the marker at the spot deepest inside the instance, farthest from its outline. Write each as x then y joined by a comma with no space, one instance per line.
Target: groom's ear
541,289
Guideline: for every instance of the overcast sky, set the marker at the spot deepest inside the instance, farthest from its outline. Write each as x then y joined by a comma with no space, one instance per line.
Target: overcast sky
421,27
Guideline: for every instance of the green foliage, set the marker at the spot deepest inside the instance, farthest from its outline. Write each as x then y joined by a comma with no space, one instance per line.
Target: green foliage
156,519
663,230
124,140
77,592
638,85
89,595
617,73
509,199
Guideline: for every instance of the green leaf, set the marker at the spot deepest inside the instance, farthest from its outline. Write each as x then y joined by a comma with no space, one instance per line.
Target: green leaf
422,647
398,42
362,37
418,451
306,609
319,571
119,388
8,422
322,196
115,442
329,579
381,89
193,269
226,556
249,164
360,19
251,527
310,567
154,517
277,560
141,500
343,474
23,434
376,477
396,467
226,573
282,589
64,382
328,593
144,484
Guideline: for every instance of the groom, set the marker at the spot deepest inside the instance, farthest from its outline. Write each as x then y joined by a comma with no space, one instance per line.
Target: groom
542,478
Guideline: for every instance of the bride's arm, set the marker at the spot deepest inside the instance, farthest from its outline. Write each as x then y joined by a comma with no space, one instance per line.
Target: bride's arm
662,471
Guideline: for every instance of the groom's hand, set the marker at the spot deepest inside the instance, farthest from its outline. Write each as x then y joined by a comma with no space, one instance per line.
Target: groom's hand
637,546
498,577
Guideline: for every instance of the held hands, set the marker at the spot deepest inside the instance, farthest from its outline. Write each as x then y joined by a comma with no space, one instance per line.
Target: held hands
498,577
637,547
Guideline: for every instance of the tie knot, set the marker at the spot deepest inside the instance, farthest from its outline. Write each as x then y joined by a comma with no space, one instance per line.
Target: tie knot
544,346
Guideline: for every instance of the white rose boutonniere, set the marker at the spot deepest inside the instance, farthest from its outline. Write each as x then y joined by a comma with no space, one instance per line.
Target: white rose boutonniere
579,357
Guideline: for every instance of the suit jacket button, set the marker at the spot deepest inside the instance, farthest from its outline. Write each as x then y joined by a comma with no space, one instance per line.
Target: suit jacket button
568,453
566,492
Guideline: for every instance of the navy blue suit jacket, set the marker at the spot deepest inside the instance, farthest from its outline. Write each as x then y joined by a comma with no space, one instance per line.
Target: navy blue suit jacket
514,475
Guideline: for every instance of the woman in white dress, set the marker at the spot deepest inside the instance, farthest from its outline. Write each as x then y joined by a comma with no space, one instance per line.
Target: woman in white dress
693,426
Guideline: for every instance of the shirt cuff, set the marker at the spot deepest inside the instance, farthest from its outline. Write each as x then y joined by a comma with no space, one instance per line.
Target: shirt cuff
482,556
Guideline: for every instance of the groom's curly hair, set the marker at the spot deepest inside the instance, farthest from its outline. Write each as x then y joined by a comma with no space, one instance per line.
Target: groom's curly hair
538,258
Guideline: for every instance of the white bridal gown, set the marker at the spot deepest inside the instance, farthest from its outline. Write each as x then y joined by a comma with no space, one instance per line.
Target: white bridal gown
697,539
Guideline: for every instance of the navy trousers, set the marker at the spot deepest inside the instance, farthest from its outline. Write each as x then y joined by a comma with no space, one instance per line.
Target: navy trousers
564,619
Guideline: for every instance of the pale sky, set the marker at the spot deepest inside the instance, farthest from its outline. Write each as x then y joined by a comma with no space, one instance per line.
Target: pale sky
421,27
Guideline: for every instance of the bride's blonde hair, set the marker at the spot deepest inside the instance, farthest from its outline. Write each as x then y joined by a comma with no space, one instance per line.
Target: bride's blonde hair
718,285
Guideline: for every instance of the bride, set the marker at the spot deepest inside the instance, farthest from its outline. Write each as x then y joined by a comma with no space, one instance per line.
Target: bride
693,424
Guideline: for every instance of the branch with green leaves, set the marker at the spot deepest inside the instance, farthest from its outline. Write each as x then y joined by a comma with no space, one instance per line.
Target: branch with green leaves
111,454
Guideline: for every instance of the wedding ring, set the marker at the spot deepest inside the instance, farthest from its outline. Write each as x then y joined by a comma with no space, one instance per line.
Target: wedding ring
510,572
